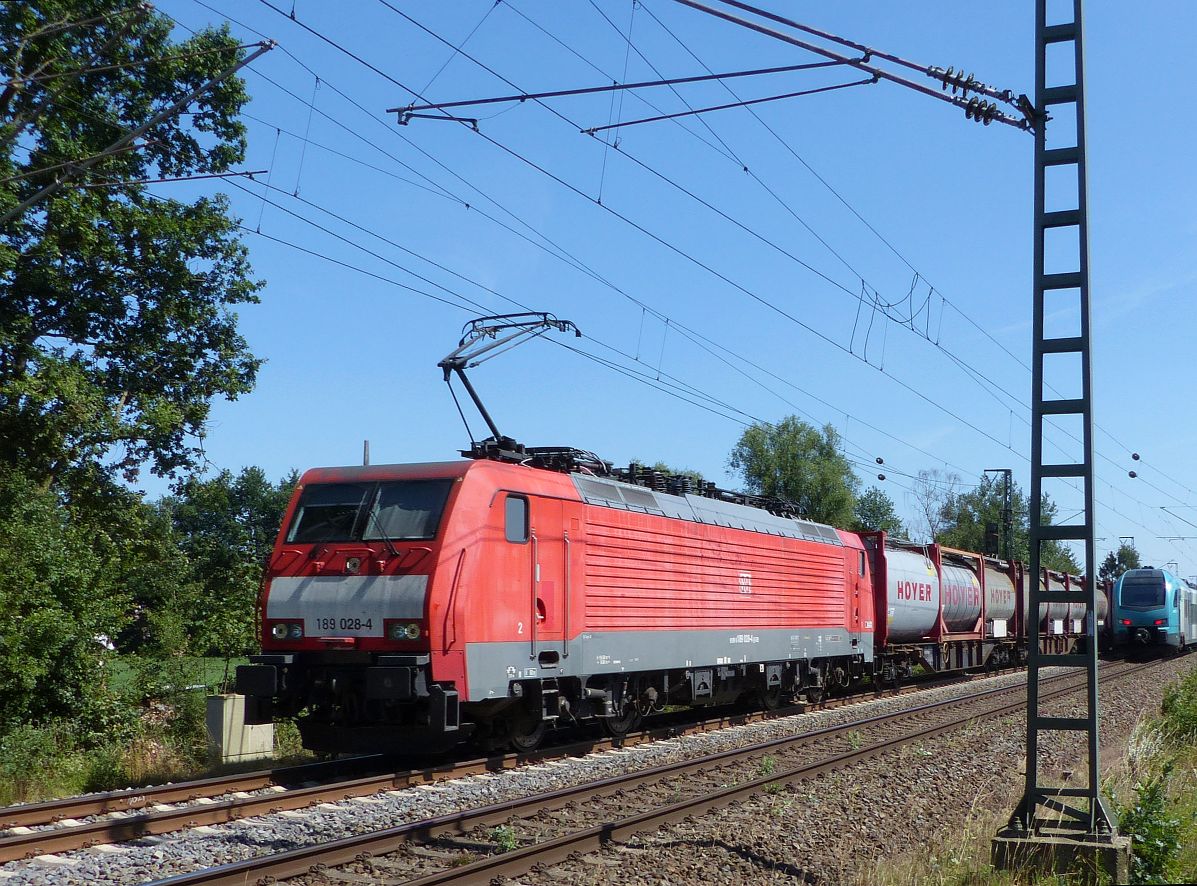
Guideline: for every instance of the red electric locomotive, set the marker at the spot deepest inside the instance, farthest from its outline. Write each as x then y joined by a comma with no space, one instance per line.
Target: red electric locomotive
403,602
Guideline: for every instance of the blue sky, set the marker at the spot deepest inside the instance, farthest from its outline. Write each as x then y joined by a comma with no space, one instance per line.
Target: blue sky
735,289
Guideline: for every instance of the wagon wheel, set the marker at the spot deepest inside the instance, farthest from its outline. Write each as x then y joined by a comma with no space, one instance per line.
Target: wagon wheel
816,694
627,720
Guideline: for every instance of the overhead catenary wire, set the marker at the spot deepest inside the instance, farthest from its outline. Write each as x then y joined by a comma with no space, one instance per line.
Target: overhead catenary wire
700,340
667,244
662,177
740,104
889,245
634,224
991,388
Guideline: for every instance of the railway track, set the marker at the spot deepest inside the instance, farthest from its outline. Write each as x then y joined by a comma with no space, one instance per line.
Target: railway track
63,825
550,827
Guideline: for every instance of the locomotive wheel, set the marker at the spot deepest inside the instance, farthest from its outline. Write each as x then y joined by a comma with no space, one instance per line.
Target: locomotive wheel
770,699
526,733
620,726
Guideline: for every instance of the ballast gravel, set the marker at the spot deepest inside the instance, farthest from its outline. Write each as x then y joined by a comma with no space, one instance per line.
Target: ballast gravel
837,829
818,831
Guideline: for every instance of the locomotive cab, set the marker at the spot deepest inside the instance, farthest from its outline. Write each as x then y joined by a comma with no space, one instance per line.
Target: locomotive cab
345,630
1153,610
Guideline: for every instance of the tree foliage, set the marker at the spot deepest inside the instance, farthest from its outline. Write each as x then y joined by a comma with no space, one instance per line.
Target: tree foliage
874,511
798,462
964,515
226,527
116,321
1118,562
117,331
934,491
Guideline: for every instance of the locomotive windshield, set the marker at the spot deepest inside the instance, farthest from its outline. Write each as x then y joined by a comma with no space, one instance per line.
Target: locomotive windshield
1143,590
399,510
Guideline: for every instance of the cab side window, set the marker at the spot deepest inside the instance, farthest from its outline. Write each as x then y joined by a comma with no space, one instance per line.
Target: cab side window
516,519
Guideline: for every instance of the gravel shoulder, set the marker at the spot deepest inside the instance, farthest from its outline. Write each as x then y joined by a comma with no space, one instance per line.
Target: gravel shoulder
879,821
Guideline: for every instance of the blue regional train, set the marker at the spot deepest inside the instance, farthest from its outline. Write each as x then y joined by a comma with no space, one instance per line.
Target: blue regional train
1153,610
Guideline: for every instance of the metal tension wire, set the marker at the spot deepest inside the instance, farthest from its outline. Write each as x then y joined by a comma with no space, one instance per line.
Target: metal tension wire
409,112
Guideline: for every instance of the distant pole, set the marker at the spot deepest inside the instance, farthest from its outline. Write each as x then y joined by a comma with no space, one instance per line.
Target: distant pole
1007,511
365,452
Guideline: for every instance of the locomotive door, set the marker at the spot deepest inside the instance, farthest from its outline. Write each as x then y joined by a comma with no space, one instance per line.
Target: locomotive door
547,580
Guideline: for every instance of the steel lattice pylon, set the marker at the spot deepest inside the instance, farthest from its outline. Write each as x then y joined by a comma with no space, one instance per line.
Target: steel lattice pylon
1075,809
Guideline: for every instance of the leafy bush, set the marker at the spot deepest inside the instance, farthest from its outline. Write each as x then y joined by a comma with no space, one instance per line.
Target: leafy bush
29,757
1180,709
1155,836
57,605
287,740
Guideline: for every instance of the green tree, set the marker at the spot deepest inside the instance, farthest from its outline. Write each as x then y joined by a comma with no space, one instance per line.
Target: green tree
964,516
226,527
934,491
798,462
116,321
1118,562
875,510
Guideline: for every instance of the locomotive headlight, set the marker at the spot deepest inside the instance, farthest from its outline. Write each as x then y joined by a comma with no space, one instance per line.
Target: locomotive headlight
296,631
279,631
399,631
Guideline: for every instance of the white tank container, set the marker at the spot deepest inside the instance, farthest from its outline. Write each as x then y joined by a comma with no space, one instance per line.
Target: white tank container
1057,611
961,593
1076,611
912,595
999,601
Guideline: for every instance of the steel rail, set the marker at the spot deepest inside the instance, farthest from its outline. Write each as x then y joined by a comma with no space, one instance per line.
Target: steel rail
131,800
81,835
558,849
303,860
